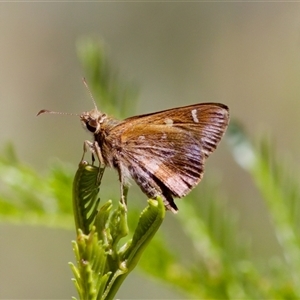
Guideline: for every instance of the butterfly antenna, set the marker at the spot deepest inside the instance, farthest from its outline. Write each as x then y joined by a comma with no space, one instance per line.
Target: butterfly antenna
91,95
46,111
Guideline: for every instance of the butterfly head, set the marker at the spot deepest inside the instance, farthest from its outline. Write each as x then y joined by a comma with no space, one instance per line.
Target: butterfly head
93,120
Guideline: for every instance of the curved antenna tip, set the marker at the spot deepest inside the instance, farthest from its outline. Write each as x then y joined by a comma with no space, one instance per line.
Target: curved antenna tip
43,111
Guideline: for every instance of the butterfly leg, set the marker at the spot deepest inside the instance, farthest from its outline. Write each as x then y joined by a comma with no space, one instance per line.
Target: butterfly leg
124,193
95,149
85,146
123,186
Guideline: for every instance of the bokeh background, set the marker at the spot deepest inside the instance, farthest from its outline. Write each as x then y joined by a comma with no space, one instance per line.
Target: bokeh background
246,55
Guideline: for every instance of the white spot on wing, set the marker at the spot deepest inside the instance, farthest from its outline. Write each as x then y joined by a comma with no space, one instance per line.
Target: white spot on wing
168,122
164,136
194,116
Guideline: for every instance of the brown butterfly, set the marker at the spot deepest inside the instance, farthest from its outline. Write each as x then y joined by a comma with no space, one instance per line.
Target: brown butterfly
164,152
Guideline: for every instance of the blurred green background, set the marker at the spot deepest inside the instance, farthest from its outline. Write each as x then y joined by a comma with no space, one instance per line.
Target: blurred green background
246,55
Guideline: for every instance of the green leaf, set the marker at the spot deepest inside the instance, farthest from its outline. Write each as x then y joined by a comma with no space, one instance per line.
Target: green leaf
85,191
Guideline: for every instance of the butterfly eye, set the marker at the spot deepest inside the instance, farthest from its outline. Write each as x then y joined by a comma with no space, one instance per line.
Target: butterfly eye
91,126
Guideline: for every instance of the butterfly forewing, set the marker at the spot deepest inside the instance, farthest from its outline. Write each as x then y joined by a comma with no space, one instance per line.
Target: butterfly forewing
172,145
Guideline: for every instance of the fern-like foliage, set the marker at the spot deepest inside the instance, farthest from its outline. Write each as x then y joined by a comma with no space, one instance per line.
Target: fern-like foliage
102,264
280,190
27,196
